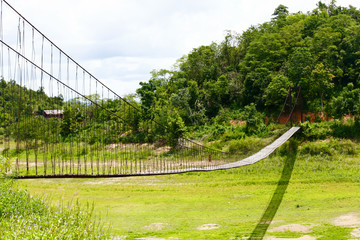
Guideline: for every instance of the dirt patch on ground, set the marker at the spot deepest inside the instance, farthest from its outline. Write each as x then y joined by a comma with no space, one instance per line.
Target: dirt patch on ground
306,237
356,233
118,238
348,220
209,226
154,238
292,228
156,226
163,149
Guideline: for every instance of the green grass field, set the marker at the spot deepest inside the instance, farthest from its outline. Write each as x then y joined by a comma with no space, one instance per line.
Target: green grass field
322,199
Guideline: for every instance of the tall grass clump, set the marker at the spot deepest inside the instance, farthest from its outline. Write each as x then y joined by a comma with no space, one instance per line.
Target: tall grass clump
329,147
23,216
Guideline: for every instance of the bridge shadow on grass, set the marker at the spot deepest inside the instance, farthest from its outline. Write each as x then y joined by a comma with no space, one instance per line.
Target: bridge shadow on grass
278,195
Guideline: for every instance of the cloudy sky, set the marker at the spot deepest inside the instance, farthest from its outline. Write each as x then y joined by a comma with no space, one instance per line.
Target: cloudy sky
121,41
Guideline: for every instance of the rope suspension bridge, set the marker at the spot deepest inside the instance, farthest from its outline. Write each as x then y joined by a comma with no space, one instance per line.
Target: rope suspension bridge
58,120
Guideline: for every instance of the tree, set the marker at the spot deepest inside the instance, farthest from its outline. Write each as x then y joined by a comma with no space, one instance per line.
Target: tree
201,64
280,14
299,65
321,82
348,102
254,119
255,84
275,93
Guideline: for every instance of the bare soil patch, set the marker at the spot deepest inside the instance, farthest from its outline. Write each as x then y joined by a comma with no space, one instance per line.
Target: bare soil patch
348,220
163,149
118,238
292,228
306,237
209,226
154,238
156,226
356,233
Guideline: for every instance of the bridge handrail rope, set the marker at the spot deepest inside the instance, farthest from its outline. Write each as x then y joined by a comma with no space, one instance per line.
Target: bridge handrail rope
96,79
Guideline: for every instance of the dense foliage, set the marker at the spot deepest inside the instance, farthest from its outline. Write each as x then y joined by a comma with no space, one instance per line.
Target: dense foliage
318,51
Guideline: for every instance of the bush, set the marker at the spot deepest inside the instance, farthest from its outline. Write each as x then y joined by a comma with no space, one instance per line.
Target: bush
243,145
349,129
317,148
215,131
338,129
223,117
233,133
316,131
330,147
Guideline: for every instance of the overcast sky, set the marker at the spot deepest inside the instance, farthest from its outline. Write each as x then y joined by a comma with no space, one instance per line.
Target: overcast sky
121,41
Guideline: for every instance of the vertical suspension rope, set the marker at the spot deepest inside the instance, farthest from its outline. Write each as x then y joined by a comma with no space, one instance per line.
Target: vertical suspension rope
84,123
28,119
33,79
2,91
78,112
2,39
97,136
51,93
59,111
69,152
103,132
19,98
90,121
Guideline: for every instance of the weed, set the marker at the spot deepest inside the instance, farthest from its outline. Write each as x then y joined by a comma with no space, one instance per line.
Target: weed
23,216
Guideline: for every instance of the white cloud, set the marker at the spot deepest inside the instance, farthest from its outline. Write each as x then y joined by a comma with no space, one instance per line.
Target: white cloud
121,41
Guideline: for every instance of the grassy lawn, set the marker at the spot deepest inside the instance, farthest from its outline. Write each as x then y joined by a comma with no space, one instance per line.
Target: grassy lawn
323,196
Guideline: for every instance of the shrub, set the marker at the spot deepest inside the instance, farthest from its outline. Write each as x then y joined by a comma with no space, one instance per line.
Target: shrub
349,129
216,131
315,131
233,133
317,148
330,147
243,145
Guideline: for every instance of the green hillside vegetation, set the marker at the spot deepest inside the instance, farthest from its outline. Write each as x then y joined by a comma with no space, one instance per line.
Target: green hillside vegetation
318,51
